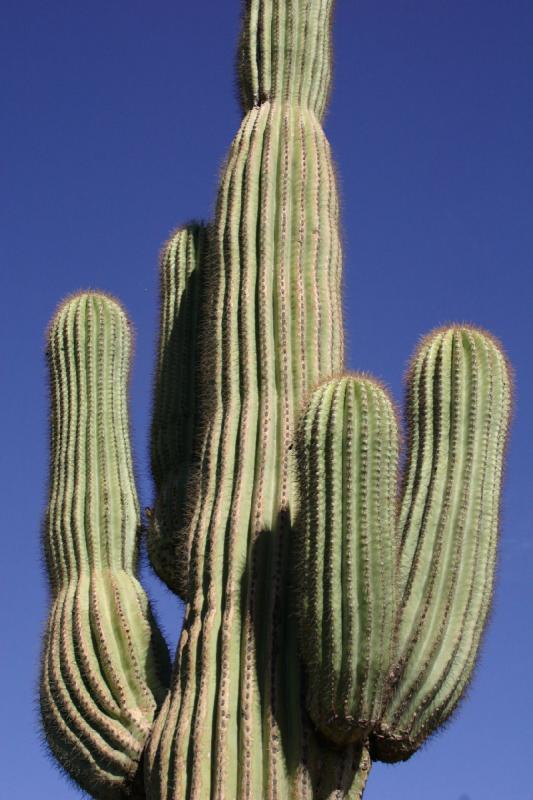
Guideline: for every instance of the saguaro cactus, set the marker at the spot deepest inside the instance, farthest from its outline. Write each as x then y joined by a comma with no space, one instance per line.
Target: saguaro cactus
325,624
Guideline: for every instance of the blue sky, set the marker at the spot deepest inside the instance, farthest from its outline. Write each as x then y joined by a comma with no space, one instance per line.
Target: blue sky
117,117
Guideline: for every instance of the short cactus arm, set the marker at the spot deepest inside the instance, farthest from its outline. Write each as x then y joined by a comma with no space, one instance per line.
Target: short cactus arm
175,402
271,329
345,553
105,665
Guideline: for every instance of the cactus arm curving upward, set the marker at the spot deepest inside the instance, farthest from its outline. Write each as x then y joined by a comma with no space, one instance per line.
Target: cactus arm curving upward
459,402
105,664
458,410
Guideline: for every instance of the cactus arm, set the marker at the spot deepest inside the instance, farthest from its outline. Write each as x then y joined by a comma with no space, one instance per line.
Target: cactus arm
104,663
175,402
345,551
458,409
324,628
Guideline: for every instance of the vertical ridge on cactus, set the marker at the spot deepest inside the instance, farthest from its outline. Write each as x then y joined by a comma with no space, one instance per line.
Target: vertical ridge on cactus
104,662
324,626
285,53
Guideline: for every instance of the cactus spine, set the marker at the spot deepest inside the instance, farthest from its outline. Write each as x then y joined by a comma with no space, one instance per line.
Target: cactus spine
323,626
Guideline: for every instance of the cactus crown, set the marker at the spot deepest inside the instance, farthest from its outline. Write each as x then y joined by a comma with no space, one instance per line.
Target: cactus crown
326,624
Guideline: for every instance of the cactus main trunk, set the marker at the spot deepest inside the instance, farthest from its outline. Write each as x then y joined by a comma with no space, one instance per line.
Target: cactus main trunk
270,329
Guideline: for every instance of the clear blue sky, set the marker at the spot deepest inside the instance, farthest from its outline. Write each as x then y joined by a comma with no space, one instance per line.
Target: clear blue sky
117,116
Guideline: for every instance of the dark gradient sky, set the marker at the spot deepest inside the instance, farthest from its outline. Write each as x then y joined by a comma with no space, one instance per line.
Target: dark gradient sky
117,117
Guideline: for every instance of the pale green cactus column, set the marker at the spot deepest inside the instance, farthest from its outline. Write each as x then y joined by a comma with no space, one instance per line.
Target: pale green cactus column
270,327
459,398
333,611
105,665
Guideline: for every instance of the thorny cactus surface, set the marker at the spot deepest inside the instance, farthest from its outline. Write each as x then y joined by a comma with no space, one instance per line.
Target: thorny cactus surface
325,624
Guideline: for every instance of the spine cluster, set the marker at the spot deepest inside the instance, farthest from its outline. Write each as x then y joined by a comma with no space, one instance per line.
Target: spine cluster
270,328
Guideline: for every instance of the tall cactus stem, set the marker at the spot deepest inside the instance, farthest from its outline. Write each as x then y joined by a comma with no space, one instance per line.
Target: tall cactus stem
270,329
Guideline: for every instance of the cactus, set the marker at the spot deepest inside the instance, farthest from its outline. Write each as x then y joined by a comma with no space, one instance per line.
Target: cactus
325,624
458,411
174,402
105,665
345,553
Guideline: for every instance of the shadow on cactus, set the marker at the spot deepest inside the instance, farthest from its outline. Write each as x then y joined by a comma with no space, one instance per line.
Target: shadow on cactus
332,618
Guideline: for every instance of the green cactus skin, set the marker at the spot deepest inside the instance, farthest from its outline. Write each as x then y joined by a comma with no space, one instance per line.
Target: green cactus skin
345,548
322,626
285,53
459,402
175,403
270,329
105,665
